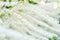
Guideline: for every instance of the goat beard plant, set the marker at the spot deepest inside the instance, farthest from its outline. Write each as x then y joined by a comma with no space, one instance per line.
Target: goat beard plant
29,20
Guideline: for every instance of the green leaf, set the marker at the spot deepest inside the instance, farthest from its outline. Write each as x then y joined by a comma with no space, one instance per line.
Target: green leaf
8,7
10,0
2,15
20,0
55,38
4,0
49,38
31,2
